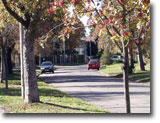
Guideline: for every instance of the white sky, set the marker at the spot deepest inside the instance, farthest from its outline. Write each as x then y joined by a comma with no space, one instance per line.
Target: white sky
84,19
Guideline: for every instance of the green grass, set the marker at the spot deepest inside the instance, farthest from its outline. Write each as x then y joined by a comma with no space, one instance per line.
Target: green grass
52,100
113,69
38,71
116,70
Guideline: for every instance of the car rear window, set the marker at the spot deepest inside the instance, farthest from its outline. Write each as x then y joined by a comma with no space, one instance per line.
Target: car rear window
93,61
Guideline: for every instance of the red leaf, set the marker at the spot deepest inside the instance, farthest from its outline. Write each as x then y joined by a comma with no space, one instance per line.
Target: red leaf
53,4
121,1
125,34
75,2
106,21
88,1
50,11
140,14
100,11
143,31
123,27
62,2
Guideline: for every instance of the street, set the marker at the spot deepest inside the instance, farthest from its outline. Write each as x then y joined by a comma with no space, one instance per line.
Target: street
98,89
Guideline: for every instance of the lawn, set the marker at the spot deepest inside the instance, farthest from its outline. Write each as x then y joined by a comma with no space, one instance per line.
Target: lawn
116,70
52,100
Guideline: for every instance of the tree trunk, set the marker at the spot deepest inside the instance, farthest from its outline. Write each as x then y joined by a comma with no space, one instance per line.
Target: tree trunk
140,59
125,66
2,70
30,24
131,61
10,66
30,79
5,63
125,78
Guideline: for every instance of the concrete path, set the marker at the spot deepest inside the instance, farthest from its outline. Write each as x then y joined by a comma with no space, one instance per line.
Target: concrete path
2,110
98,89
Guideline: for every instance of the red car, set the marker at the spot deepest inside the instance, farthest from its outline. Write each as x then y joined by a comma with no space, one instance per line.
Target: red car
93,64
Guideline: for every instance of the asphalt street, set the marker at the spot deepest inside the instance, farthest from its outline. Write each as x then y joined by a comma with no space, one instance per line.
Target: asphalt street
98,89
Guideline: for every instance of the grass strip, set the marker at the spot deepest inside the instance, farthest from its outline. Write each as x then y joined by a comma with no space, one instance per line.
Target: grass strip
52,100
116,70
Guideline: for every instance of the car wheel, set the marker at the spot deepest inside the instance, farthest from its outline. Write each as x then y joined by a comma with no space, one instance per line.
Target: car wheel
52,71
98,69
88,68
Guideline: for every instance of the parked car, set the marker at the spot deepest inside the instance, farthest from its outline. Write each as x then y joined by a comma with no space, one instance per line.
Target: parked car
47,67
116,57
93,64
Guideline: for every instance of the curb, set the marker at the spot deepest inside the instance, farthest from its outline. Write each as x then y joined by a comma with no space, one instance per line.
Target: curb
146,83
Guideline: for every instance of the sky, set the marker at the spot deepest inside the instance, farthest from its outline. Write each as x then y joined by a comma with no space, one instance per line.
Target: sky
85,18
84,21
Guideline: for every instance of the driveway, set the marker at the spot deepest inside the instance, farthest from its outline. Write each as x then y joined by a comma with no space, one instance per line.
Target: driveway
98,89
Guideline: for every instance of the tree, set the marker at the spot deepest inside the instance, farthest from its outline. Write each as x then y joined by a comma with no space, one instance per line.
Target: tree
8,36
28,13
112,18
106,58
7,42
74,39
49,44
140,29
92,48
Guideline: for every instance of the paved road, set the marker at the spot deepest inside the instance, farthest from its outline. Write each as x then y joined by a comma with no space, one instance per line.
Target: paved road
98,89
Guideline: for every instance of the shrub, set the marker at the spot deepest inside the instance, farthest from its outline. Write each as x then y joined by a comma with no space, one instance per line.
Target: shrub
106,58
117,61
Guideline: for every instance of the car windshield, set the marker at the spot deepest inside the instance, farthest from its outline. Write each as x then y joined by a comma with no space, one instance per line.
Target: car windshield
46,64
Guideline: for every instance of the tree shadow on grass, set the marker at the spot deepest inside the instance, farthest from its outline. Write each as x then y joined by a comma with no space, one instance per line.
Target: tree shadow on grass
15,76
68,107
51,92
16,91
140,77
10,91
47,92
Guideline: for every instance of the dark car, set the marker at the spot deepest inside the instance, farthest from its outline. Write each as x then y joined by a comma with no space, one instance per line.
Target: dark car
116,57
47,67
93,64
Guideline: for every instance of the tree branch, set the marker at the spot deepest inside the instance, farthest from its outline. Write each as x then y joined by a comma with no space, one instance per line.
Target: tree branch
87,11
118,46
14,14
128,12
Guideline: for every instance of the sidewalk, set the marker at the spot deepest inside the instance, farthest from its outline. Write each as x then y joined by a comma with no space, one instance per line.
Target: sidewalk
2,110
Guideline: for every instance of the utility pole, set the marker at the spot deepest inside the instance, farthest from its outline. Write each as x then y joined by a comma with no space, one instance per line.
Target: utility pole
21,60
64,49
90,49
40,59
